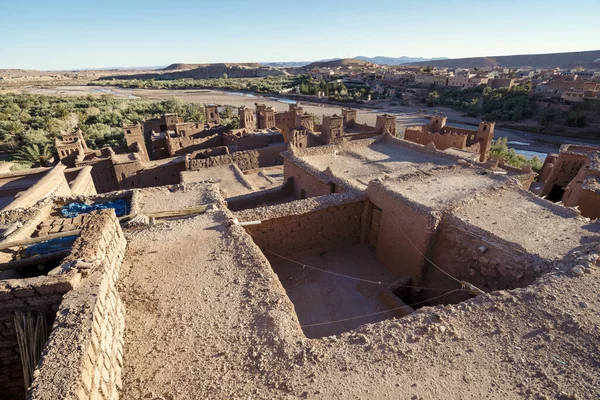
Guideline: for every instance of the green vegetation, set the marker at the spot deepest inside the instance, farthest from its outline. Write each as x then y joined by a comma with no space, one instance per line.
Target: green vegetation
229,118
269,84
500,150
31,122
579,115
335,91
494,104
36,155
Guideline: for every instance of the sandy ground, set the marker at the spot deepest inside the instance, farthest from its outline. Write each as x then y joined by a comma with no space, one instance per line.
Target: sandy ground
406,116
233,182
319,296
206,318
362,164
537,225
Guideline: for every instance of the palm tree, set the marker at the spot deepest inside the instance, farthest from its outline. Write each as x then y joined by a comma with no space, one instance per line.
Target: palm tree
38,155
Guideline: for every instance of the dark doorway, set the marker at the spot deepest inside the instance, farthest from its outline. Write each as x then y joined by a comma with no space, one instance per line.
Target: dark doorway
556,194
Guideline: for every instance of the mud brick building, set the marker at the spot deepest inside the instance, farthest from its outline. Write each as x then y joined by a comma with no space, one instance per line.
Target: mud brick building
444,137
573,177
369,249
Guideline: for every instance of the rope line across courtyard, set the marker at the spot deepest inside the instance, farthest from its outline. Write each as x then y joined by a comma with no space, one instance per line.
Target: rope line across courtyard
360,279
380,312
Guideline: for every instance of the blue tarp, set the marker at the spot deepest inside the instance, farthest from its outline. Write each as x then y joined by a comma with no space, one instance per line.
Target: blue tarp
74,209
49,246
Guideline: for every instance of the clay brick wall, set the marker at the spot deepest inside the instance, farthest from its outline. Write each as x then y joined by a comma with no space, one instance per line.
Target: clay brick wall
83,356
400,217
137,175
589,203
442,142
304,182
184,145
243,159
329,227
565,169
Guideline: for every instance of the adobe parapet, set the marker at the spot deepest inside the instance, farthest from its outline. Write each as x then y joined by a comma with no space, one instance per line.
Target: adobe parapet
578,149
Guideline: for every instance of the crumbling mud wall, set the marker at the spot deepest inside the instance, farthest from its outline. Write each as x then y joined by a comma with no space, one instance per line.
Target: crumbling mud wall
308,185
404,234
472,255
307,225
442,142
245,160
83,356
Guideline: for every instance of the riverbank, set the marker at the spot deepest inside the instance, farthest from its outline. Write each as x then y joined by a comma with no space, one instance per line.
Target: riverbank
527,143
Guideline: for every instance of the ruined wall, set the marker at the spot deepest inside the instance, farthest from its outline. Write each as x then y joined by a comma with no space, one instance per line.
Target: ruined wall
588,202
184,145
328,227
39,294
394,249
442,142
565,169
134,175
305,184
245,160
215,151
478,257
83,356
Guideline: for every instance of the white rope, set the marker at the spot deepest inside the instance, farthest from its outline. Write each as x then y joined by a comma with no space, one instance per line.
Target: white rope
463,284
355,278
380,312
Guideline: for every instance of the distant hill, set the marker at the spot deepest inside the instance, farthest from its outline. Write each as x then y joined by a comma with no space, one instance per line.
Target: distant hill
187,67
180,67
586,59
383,60
338,62
206,71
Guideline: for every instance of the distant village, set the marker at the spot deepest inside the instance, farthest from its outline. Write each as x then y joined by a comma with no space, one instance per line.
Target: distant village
556,85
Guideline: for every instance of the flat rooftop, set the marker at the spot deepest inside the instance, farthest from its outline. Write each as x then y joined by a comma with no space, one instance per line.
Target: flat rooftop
360,164
442,188
229,178
537,225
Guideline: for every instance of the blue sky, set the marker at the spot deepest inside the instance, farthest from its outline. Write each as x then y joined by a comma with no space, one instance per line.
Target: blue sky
66,34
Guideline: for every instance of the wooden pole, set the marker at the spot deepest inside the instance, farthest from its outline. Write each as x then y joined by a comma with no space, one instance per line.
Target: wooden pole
6,245
26,262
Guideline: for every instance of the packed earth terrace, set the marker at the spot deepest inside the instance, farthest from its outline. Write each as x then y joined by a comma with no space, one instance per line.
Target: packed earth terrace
294,257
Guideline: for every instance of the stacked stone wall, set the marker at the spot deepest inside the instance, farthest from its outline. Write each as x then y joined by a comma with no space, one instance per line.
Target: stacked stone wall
83,356
39,295
245,160
478,257
329,227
